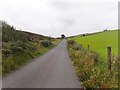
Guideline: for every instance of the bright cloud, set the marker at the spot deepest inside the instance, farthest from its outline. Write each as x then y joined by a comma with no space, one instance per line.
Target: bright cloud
53,17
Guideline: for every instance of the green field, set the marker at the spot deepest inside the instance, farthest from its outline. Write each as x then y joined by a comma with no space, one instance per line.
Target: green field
99,42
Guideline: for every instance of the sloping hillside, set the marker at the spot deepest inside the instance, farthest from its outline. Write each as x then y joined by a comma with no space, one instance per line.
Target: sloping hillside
18,47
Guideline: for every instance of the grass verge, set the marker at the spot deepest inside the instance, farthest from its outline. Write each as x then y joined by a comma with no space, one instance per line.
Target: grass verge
92,70
15,60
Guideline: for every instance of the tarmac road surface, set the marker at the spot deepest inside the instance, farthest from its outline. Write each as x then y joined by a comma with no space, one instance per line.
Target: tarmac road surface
52,70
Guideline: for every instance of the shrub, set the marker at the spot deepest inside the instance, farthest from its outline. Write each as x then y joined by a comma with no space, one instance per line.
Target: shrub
46,43
6,52
71,42
10,34
19,44
15,49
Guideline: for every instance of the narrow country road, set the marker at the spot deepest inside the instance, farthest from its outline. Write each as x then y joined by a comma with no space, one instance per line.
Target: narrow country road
52,70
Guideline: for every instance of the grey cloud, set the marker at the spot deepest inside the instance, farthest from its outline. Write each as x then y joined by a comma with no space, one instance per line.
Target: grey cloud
55,17
67,22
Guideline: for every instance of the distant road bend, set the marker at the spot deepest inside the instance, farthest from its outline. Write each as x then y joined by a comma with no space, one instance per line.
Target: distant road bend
52,70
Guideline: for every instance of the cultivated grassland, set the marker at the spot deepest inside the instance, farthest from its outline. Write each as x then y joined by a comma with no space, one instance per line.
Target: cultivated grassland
99,42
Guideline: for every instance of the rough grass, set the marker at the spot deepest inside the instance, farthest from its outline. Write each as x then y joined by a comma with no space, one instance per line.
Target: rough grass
29,51
99,42
21,57
19,47
91,70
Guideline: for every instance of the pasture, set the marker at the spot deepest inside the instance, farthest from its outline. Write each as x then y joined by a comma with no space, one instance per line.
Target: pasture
99,42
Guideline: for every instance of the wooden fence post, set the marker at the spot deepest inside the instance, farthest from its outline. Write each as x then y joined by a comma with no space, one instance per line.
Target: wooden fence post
109,58
81,47
88,46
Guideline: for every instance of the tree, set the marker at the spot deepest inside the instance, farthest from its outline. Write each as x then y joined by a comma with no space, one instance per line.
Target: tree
63,36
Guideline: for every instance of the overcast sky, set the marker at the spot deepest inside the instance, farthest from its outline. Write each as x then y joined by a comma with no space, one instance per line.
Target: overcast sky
54,17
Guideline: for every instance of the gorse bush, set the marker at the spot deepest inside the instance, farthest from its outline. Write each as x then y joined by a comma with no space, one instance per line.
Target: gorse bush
71,42
46,43
6,53
15,49
92,70
10,34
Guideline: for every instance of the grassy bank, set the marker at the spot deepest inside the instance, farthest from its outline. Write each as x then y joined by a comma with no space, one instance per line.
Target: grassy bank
91,70
20,57
19,47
